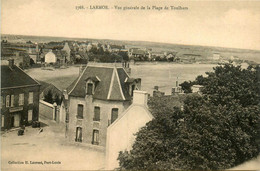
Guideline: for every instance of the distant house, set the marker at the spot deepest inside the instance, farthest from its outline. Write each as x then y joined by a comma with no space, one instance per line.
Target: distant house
19,97
120,134
21,57
139,54
50,57
196,88
234,58
95,100
216,56
68,50
177,89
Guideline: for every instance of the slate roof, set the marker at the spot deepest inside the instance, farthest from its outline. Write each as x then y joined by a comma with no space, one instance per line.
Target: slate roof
15,77
45,85
110,86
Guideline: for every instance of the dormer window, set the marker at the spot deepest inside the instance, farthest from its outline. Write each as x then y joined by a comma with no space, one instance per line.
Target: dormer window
91,84
132,84
89,89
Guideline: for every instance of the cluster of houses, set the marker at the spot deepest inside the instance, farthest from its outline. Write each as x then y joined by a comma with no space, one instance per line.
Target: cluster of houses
104,106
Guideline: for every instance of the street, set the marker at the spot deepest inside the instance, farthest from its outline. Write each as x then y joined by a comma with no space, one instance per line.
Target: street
48,150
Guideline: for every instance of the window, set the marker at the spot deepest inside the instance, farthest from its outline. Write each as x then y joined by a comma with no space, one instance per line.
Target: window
21,99
30,97
80,111
12,100
3,121
7,100
89,88
1,102
114,114
30,113
78,134
95,138
96,114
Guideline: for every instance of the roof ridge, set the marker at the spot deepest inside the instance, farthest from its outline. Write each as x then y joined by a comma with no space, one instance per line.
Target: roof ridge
77,80
111,84
90,65
126,72
120,86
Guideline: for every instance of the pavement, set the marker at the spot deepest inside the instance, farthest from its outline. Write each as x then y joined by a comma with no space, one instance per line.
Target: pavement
48,150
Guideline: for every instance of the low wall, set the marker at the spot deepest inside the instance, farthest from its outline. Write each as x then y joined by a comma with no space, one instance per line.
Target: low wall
46,110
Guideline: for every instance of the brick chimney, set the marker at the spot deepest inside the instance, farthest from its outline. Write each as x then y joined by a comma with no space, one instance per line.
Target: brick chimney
81,68
140,97
11,63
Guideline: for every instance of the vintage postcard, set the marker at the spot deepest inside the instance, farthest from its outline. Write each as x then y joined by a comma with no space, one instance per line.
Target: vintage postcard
130,85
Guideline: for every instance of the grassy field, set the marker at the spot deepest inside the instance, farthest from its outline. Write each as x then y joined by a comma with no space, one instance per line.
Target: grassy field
163,75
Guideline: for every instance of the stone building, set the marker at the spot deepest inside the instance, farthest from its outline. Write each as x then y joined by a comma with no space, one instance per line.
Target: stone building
95,100
19,97
67,49
121,134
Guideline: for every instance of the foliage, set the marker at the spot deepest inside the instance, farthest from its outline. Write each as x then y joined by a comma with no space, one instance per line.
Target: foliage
186,86
57,99
218,130
48,97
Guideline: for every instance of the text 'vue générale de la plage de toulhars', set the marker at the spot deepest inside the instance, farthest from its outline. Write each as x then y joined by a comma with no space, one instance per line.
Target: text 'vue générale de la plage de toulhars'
118,7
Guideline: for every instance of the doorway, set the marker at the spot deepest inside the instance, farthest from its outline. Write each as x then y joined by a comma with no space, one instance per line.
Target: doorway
15,120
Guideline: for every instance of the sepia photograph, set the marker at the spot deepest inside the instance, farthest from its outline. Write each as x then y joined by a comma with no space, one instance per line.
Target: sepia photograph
130,85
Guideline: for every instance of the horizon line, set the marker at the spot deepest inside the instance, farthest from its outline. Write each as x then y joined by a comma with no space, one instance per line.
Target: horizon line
69,37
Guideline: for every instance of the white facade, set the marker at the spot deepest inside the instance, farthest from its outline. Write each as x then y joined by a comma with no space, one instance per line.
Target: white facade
50,57
120,135
216,56
196,88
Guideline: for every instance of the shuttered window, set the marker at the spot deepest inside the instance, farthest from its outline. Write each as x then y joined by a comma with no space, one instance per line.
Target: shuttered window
95,139
7,100
96,114
89,89
80,111
114,114
30,97
21,99
3,121
12,100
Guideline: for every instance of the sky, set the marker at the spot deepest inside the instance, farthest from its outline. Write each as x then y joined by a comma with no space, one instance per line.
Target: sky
233,24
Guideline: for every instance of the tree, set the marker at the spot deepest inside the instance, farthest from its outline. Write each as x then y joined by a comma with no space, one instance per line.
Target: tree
57,99
186,86
48,97
217,130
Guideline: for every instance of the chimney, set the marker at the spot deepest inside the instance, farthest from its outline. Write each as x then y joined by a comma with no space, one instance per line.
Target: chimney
81,69
140,97
11,63
177,83
65,93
